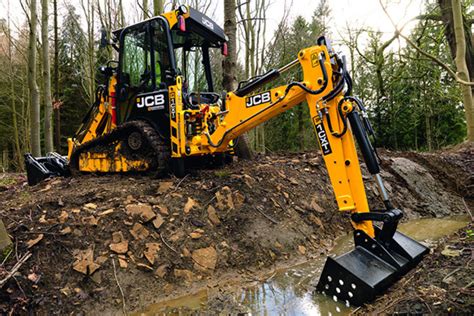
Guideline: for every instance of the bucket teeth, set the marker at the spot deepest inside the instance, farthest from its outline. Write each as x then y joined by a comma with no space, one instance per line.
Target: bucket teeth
358,276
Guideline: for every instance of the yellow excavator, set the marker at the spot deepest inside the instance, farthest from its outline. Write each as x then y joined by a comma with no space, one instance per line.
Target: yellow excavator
146,118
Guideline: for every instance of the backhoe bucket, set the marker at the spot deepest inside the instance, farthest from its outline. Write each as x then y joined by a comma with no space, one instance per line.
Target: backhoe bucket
358,276
40,168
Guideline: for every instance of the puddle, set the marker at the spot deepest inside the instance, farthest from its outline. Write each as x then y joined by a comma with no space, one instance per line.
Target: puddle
290,291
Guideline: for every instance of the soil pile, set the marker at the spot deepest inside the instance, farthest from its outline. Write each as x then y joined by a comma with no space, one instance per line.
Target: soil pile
91,241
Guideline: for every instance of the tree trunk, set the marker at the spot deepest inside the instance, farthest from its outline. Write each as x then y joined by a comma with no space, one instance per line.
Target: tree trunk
57,113
145,10
229,62
229,68
48,105
32,85
157,7
461,66
18,157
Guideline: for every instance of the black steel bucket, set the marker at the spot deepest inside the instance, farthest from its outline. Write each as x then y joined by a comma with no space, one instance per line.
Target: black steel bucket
358,276
40,168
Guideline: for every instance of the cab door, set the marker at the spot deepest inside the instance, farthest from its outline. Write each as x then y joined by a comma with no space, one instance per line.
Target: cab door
145,72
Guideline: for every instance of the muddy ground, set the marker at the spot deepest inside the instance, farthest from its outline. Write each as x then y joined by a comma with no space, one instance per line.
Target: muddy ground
105,244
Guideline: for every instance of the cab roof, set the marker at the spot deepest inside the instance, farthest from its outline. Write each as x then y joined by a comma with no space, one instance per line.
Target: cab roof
196,22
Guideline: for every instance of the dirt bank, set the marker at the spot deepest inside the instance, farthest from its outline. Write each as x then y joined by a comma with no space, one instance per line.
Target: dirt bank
93,238
442,284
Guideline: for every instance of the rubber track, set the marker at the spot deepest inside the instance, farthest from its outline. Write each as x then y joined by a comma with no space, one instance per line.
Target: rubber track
161,150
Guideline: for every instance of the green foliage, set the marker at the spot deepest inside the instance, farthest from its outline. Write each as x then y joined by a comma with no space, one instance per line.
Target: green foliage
413,103
72,51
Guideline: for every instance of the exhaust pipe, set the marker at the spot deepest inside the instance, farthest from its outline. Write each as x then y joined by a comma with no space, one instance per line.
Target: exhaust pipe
41,168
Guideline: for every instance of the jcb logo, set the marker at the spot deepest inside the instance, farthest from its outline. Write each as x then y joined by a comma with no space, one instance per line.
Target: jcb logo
258,99
151,101
323,138
207,23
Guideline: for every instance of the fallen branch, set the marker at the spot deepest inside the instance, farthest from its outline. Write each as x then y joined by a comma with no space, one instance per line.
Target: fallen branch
124,308
167,245
179,183
16,267
267,216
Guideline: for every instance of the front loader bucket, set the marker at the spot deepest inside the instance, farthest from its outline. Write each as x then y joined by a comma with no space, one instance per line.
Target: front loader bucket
358,276
40,168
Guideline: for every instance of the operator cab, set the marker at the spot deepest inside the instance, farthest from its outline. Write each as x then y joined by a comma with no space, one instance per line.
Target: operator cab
151,56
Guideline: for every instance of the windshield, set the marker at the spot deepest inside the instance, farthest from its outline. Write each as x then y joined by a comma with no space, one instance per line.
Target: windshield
192,58
145,56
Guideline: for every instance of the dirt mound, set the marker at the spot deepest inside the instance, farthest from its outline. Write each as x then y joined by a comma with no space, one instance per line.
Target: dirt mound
96,238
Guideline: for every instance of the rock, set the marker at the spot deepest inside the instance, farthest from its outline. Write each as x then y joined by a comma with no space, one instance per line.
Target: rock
186,252
90,206
139,231
33,277
212,214
32,242
195,235
315,220
123,263
449,252
190,204
90,221
85,262
182,273
162,209
302,249
158,221
152,249
144,211
65,231
162,270
63,217
164,187
117,237
205,259
120,247
315,206
239,200
224,199
176,236
293,181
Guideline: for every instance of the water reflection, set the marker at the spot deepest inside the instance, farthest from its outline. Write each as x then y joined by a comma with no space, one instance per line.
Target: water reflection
291,291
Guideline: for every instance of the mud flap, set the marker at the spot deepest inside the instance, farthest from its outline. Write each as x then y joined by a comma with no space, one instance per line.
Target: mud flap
40,168
358,276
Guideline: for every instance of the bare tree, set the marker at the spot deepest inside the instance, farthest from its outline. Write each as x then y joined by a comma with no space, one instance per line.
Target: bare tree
461,65
32,85
48,105
57,113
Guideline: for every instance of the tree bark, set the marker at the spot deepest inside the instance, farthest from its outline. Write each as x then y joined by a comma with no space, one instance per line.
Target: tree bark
18,157
48,105
229,66
57,113
32,85
157,7
461,66
230,61
146,15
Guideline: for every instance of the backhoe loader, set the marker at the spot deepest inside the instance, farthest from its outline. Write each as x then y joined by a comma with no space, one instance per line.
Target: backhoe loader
146,118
